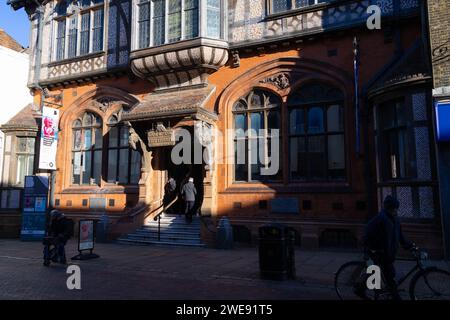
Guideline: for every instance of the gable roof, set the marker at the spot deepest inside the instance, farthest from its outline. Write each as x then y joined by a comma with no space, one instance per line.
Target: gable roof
8,42
24,119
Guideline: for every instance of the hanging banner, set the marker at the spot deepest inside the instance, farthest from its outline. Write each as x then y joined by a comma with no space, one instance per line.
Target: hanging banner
49,138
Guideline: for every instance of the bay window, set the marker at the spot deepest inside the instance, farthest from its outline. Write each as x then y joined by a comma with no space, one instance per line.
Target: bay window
167,21
79,28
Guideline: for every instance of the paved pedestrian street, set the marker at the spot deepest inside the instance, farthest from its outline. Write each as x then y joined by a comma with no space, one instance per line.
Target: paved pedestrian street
155,272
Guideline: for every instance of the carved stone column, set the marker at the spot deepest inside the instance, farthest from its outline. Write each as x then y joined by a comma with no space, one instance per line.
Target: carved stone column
137,144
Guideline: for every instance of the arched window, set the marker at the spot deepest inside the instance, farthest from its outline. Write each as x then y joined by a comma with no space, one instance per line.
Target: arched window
256,117
123,163
316,134
87,149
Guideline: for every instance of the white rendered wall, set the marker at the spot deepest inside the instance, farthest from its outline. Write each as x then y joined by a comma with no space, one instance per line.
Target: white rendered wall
13,83
14,93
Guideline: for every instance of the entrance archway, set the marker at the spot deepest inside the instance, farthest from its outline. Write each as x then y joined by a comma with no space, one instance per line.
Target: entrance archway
182,172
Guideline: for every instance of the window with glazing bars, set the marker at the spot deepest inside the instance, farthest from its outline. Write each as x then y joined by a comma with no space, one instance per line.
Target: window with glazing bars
25,158
84,33
60,39
213,18
72,37
87,149
256,116
97,30
123,162
316,134
79,32
277,6
182,18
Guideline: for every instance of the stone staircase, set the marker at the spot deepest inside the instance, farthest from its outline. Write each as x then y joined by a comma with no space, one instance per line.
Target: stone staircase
174,232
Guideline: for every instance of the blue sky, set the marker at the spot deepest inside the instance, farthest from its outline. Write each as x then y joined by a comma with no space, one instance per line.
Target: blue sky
15,23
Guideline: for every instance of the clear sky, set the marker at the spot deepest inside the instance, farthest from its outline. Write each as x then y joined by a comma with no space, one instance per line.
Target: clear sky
15,23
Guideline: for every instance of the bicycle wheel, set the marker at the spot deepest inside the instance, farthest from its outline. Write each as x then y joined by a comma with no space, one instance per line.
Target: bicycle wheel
430,284
350,282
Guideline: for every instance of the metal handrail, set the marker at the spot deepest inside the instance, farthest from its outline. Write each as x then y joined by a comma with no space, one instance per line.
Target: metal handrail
158,216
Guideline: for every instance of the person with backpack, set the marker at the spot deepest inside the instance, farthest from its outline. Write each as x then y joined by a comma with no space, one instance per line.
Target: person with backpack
60,230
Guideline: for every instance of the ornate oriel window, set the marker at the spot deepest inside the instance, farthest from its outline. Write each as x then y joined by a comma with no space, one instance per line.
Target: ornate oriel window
87,150
166,21
277,6
78,28
316,134
256,117
123,163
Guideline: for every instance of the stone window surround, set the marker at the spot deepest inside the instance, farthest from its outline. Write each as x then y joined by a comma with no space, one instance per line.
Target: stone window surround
103,185
104,101
300,72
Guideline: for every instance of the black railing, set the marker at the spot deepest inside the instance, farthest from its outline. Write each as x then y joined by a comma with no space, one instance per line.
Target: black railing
158,216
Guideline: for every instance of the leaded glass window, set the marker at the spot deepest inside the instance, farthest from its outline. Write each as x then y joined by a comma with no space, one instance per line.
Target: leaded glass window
277,6
316,134
213,18
87,149
174,20
190,19
257,121
123,162
78,32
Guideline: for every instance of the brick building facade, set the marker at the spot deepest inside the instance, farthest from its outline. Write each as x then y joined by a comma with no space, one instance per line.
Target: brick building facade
157,67
439,31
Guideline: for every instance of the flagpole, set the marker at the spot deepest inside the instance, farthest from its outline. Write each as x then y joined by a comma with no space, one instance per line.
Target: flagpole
356,84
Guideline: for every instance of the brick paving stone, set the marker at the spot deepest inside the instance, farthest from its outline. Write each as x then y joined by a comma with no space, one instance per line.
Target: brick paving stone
155,272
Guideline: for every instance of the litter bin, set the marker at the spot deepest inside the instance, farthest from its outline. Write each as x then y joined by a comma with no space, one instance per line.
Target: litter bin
276,252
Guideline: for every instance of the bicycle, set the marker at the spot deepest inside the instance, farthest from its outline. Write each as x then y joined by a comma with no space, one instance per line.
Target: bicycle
427,282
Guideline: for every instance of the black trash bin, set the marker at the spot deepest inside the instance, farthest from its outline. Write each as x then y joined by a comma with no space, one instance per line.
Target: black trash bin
276,252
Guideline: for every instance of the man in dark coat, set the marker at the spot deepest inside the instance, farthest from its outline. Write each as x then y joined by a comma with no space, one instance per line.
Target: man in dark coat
59,231
188,192
169,193
382,239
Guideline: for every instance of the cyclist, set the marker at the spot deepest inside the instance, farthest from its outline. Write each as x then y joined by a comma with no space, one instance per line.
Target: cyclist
59,231
381,242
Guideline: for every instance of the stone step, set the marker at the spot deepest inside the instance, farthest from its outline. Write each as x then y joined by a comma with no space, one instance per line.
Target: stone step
171,228
193,233
163,243
173,225
168,239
